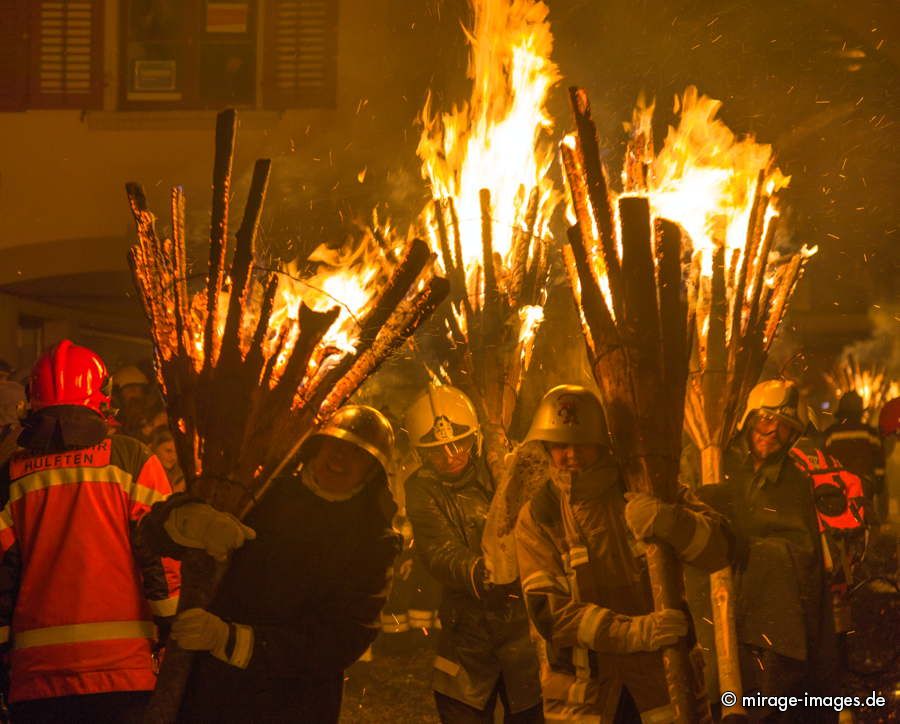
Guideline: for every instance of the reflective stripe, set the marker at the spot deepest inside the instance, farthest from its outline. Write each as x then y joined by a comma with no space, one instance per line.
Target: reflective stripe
4,634
578,556
71,476
853,435
700,539
660,715
83,632
445,665
538,579
243,646
590,621
164,606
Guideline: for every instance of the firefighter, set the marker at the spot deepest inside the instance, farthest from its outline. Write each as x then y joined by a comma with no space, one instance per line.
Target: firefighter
859,448
78,595
484,651
302,597
582,559
784,610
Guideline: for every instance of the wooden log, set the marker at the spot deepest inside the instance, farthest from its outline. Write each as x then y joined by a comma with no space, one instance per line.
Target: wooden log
593,307
675,319
226,125
524,241
241,265
597,186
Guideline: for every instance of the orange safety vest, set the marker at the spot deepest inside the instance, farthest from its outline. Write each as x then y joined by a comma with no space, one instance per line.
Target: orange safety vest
840,509
82,620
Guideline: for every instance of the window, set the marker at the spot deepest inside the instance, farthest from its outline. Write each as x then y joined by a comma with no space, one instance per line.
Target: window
188,53
51,54
172,54
301,61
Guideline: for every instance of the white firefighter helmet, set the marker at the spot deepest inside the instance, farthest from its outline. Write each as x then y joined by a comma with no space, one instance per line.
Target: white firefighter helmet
443,414
569,414
781,399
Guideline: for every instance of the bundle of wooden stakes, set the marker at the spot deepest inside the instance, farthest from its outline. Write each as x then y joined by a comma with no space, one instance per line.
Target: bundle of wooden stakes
635,316
739,304
243,392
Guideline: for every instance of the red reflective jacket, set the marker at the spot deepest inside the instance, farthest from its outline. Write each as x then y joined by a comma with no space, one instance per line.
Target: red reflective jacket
77,597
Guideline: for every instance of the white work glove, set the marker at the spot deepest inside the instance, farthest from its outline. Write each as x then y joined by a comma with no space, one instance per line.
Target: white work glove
647,516
199,630
648,633
198,525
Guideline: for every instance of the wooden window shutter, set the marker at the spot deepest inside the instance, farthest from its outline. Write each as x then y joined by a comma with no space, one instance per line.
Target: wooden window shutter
301,54
13,54
66,54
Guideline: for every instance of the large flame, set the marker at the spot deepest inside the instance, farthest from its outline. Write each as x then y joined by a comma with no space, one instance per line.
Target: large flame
347,277
704,177
499,140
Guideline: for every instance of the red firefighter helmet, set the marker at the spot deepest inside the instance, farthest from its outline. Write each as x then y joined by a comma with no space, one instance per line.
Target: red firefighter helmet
889,419
69,375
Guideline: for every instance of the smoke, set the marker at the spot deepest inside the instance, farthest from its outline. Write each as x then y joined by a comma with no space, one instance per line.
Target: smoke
882,349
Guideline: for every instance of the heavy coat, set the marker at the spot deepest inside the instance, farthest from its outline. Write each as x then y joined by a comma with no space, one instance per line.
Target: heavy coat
479,641
312,585
582,570
783,611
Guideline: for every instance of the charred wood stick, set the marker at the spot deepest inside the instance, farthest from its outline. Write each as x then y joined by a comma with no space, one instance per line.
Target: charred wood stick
256,354
597,185
523,241
313,326
179,273
241,264
639,294
674,318
491,293
450,264
409,315
593,307
750,257
397,286
226,124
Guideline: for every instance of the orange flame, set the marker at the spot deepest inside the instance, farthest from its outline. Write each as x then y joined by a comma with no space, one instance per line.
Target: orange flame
704,177
499,140
347,277
872,384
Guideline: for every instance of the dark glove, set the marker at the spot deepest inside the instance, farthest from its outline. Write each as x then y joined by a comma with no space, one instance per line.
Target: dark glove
163,628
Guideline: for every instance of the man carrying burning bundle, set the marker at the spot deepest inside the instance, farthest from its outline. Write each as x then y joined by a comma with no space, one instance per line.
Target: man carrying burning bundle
484,650
584,575
302,598
789,505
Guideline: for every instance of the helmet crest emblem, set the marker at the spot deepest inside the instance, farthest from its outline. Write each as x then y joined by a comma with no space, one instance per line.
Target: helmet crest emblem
443,428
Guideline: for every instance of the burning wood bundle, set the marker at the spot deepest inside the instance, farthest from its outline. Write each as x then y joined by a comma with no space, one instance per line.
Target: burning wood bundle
872,384
626,277
721,190
253,362
487,165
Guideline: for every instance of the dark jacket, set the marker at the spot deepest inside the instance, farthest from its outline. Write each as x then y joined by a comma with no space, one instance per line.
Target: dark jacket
312,585
783,601
859,449
480,639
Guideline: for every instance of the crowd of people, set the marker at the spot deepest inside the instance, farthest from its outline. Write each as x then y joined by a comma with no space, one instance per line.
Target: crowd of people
96,517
